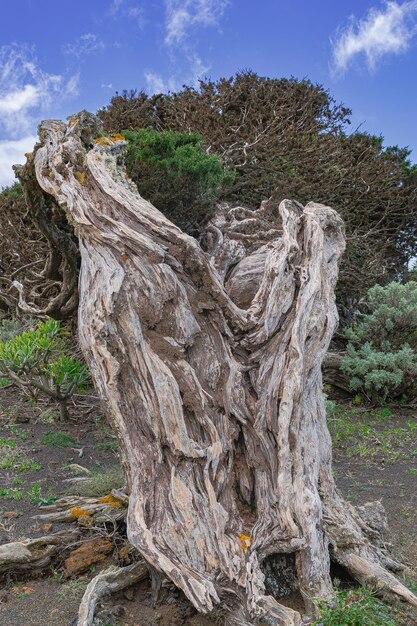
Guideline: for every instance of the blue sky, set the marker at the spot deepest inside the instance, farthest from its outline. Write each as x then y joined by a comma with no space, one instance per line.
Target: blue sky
57,57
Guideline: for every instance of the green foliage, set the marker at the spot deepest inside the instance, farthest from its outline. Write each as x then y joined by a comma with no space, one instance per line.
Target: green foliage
12,192
330,406
57,440
34,494
175,173
381,356
11,494
288,138
38,360
357,607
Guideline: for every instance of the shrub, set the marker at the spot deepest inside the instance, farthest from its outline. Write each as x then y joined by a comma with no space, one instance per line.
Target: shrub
290,139
330,406
175,173
381,356
37,360
12,192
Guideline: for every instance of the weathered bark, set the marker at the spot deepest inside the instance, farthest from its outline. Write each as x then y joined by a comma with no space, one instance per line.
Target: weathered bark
209,359
32,556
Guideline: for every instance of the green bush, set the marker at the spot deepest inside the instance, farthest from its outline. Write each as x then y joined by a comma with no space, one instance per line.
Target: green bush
175,173
357,607
12,192
38,361
381,356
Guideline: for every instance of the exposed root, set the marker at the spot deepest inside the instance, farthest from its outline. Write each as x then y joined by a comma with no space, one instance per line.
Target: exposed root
373,574
110,581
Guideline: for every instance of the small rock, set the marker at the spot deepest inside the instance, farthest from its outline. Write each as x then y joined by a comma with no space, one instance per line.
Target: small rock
129,594
78,469
118,610
86,555
373,514
10,515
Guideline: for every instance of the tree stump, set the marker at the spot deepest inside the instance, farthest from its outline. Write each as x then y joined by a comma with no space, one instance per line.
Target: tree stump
208,357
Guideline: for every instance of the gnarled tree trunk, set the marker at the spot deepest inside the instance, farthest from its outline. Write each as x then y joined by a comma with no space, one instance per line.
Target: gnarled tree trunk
208,356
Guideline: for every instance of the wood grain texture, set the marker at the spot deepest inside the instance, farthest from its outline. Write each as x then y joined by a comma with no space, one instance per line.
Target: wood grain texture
208,357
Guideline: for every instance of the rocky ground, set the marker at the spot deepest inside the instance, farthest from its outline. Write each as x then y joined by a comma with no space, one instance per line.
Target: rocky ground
375,458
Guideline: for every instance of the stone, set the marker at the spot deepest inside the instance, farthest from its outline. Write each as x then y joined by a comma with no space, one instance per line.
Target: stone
10,515
373,514
118,610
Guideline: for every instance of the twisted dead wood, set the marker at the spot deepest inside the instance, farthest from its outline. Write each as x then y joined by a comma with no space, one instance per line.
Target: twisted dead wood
110,581
34,555
208,357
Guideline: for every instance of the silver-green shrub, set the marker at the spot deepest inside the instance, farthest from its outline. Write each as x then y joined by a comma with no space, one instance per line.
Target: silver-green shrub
39,361
381,355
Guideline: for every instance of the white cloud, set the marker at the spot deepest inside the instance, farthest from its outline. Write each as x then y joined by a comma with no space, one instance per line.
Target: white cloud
115,6
26,88
27,93
12,152
121,8
382,31
155,83
89,43
184,15
15,101
71,87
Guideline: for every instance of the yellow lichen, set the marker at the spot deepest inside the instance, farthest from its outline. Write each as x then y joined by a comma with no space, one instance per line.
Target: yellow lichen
80,176
118,137
78,512
245,541
109,141
28,154
72,121
104,141
110,500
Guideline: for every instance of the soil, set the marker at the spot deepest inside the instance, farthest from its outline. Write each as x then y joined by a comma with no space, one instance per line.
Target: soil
375,458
